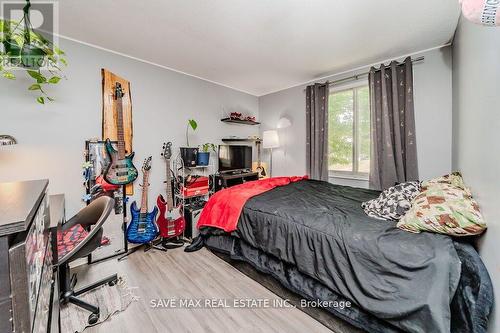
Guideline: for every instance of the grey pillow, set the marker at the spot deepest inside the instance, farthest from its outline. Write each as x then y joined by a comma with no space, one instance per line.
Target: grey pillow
393,203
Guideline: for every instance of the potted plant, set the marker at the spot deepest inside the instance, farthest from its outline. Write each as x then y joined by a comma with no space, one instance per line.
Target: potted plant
204,153
27,50
12,51
189,154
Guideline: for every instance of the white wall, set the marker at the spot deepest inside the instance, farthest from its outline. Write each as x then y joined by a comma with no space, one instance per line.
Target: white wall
51,137
476,132
433,113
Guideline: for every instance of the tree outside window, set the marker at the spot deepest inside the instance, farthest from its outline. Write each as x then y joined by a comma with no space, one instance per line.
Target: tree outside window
349,132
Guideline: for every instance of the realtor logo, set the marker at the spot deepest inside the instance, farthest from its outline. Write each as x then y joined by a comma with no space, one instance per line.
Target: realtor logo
28,34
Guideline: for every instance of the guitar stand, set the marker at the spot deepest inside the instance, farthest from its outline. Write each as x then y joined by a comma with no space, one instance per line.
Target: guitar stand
163,244
146,247
158,245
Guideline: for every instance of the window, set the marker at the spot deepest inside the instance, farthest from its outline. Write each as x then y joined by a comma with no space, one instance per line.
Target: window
349,132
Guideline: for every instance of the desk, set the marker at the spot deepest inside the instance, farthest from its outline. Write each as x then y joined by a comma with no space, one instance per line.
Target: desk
26,257
57,219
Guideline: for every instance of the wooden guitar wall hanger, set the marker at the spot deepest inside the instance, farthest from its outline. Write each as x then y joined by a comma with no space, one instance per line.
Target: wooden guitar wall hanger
121,169
110,115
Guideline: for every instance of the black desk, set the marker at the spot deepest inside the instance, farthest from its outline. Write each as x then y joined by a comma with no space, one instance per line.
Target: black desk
26,257
228,179
20,201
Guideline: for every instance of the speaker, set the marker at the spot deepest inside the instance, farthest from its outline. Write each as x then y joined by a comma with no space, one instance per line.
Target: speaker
191,216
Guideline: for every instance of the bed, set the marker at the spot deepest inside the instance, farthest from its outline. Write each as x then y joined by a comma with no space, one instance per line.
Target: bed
315,239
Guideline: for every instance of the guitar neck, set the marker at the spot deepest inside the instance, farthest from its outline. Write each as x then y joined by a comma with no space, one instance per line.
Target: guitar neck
170,201
120,135
145,186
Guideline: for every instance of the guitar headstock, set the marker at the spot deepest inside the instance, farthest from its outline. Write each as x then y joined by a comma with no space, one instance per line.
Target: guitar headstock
167,150
146,166
118,91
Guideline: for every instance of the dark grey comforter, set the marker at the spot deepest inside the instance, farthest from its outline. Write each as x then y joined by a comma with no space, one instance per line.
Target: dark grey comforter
405,279
470,307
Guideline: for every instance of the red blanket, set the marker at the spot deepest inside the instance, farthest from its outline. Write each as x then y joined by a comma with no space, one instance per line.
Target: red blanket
223,209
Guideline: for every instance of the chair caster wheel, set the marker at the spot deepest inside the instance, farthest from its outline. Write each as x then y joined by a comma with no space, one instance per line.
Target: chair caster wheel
112,283
93,318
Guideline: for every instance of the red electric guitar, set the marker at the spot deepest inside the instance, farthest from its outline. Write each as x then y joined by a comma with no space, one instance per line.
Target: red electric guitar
170,220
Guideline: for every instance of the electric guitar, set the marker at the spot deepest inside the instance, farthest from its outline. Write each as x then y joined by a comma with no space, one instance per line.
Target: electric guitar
142,229
170,221
259,166
121,170
106,187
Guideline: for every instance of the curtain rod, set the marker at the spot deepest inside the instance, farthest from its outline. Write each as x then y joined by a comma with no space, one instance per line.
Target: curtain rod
356,77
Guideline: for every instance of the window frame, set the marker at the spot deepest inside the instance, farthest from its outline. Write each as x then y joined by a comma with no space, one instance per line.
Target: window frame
356,175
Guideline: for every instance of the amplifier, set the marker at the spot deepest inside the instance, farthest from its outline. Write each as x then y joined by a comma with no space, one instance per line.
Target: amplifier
191,216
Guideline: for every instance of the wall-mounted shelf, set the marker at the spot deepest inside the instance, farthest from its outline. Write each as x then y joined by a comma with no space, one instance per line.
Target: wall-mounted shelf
241,140
237,121
197,167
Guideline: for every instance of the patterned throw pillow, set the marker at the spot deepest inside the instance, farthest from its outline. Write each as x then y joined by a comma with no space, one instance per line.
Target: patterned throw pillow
454,179
445,206
392,203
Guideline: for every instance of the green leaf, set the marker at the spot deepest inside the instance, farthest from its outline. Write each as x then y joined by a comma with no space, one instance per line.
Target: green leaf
193,124
54,79
34,74
40,100
34,37
19,40
37,76
63,61
9,75
51,60
4,26
59,51
47,50
35,86
41,79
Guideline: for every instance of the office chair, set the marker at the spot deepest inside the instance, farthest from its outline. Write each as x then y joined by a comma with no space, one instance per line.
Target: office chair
75,241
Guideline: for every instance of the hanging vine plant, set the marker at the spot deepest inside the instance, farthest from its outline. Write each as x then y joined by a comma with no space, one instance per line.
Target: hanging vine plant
27,50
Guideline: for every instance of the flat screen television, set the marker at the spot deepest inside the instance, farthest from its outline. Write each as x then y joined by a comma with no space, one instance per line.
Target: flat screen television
234,158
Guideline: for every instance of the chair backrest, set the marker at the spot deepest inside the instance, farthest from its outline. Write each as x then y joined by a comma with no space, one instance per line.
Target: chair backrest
94,214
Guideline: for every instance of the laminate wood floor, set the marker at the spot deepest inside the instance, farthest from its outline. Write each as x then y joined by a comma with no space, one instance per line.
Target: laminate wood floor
198,275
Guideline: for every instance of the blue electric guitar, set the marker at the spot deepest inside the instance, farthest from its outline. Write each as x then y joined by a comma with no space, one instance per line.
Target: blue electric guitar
121,170
142,229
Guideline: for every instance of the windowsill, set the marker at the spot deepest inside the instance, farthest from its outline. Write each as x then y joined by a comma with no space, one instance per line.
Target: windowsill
348,177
